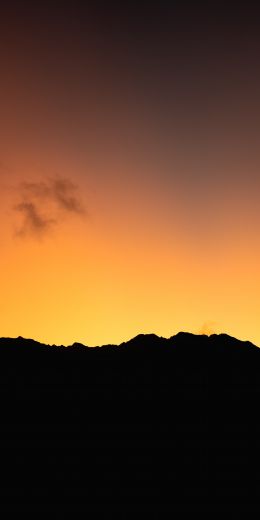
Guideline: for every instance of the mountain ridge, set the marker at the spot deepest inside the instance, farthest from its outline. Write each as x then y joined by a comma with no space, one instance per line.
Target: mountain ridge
153,424
142,337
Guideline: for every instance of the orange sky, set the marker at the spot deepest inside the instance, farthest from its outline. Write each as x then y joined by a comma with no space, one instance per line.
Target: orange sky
128,204
121,269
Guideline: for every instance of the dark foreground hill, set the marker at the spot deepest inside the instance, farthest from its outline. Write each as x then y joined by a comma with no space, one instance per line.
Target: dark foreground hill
152,426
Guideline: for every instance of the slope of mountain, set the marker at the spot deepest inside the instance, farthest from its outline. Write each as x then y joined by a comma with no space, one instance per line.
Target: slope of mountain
151,426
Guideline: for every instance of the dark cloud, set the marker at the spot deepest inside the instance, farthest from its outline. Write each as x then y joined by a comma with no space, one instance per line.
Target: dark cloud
63,192
33,222
45,203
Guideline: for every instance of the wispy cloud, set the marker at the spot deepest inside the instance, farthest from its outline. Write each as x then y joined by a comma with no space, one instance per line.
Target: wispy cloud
63,192
33,222
46,203
208,328
38,190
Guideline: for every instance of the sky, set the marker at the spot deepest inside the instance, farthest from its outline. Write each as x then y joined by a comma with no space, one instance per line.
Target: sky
129,170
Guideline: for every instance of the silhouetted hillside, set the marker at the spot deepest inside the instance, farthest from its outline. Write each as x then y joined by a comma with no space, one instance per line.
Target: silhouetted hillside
151,426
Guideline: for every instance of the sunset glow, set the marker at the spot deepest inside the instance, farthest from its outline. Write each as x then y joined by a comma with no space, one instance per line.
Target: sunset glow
129,186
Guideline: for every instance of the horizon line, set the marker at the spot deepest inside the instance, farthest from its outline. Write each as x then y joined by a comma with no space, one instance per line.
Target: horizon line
77,343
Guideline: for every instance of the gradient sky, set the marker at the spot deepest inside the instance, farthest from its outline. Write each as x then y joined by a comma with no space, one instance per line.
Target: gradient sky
129,170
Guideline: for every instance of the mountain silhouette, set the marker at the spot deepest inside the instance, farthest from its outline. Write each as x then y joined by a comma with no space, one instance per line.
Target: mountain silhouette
153,426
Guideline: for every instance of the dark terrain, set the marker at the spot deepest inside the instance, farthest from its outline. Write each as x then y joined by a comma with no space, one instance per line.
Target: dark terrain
152,426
